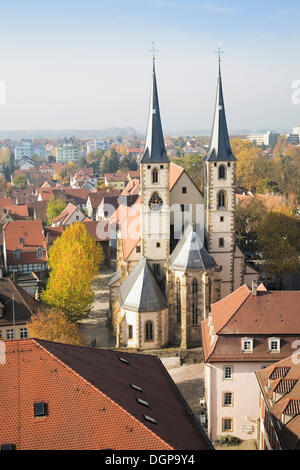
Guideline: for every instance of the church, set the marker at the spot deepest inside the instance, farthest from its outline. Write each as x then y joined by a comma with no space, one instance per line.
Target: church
176,248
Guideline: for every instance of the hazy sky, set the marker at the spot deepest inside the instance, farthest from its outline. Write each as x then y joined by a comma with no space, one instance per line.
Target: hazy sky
86,63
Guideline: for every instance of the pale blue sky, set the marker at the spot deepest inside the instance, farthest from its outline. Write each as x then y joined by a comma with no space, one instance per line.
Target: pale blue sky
86,64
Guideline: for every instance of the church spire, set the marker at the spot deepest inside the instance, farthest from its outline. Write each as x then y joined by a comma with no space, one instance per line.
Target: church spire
155,151
220,149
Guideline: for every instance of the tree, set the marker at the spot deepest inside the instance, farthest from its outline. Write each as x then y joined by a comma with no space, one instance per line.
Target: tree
247,155
74,260
110,161
279,242
53,325
55,207
4,155
248,217
281,145
194,166
20,182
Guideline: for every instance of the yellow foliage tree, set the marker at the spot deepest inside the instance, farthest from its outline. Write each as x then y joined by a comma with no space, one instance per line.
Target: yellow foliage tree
74,260
53,325
247,155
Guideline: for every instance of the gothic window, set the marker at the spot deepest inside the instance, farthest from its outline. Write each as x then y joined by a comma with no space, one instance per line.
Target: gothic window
221,200
195,302
149,334
39,252
155,202
155,176
222,172
178,301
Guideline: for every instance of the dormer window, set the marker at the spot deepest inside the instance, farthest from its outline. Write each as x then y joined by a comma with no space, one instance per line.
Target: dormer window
39,252
17,254
247,345
274,345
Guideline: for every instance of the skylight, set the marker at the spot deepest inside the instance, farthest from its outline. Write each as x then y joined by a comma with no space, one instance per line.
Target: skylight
123,360
139,389
149,418
143,402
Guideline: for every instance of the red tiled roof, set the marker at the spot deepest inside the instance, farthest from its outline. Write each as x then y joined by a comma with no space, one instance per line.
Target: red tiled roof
32,233
243,314
116,177
65,214
175,173
287,403
91,404
130,228
132,187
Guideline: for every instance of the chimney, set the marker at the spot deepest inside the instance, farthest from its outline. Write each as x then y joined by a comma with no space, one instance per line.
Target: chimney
254,288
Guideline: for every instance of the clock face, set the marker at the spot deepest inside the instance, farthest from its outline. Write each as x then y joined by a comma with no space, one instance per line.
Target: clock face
155,202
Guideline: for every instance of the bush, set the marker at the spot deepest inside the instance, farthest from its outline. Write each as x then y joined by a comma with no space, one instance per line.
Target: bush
229,440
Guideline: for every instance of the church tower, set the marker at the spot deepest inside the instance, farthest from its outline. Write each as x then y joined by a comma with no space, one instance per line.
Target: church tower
220,169
155,182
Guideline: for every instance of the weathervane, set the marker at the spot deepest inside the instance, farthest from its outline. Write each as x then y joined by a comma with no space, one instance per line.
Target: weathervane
219,52
153,50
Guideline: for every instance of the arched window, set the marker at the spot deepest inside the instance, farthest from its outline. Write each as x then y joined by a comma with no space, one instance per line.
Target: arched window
222,172
195,302
155,176
149,333
17,254
178,301
221,200
39,252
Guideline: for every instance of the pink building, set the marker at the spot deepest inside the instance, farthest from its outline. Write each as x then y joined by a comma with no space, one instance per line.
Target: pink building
245,332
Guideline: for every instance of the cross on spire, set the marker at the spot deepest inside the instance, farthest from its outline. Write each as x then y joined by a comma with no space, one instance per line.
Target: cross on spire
219,52
153,50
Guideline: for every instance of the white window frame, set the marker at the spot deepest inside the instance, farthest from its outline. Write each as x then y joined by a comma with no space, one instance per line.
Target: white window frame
10,334
274,340
231,372
247,340
22,331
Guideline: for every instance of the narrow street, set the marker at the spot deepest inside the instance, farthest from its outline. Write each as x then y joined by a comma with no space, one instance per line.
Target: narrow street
95,328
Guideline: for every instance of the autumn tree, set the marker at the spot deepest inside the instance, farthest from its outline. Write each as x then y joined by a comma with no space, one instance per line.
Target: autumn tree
4,155
53,325
247,155
279,243
74,260
110,161
248,217
54,207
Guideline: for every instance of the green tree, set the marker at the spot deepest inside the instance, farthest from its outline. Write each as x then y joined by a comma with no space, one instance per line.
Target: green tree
55,207
74,260
20,182
193,164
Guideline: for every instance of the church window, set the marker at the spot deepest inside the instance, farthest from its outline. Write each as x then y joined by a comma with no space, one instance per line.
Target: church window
155,176
228,164
138,249
149,334
195,302
157,245
178,301
221,200
221,219
221,242
215,164
222,172
184,190
161,167
130,331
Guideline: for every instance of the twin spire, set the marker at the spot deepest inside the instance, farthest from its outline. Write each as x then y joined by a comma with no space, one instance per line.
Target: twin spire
155,151
219,149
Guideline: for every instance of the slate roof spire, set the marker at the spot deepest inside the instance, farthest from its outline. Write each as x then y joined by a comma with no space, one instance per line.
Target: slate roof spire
220,149
155,151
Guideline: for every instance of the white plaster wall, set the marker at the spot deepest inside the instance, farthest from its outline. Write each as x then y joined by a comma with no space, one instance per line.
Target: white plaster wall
245,409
